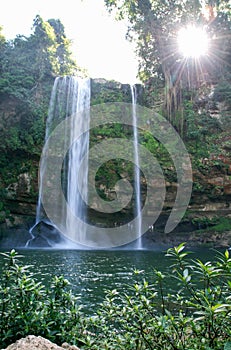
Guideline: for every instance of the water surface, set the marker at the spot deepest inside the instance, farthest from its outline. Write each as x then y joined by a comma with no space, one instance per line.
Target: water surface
91,273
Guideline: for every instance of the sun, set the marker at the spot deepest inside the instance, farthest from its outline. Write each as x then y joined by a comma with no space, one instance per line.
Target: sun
192,41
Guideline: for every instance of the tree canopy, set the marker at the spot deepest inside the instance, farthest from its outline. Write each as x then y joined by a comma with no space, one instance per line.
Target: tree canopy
28,66
154,25
25,61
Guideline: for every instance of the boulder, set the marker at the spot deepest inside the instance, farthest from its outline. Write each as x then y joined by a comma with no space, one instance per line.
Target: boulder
31,342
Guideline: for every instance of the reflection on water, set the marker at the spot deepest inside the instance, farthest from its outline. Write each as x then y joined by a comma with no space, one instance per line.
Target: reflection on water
92,273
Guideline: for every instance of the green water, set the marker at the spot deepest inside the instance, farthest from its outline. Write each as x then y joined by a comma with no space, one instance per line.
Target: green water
92,273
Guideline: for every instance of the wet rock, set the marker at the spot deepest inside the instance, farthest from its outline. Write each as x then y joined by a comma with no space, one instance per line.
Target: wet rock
44,235
14,237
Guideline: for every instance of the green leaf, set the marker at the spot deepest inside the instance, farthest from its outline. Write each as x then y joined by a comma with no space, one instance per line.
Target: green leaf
227,346
180,247
227,254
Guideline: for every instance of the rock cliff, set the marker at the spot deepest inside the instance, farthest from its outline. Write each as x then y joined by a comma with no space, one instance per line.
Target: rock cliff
19,179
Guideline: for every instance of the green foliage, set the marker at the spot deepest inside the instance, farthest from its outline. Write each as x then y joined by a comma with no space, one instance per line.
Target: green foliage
214,224
28,66
53,48
2,38
222,224
198,125
28,307
149,316
103,91
150,142
195,314
4,213
205,222
27,62
222,92
153,25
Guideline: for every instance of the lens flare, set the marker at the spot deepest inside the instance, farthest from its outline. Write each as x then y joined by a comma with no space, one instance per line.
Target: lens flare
192,41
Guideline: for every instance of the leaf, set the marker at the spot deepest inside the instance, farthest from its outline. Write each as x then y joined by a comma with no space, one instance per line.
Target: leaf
220,308
227,346
227,254
180,247
185,273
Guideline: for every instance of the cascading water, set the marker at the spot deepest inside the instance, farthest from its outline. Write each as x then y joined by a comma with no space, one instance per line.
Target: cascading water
80,106
136,168
70,97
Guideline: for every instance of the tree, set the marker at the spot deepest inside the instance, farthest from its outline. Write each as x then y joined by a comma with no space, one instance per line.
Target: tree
65,64
2,37
44,41
28,66
52,48
2,47
154,25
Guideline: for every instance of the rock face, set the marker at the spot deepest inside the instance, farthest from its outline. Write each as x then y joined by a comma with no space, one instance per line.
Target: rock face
32,342
211,194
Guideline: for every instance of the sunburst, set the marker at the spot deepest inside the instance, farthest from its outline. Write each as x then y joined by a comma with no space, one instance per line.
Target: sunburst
193,41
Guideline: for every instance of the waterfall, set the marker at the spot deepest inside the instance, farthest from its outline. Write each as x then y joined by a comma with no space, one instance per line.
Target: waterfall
81,103
136,168
70,97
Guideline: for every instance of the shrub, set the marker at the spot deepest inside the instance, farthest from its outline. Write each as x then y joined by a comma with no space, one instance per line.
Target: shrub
28,307
193,314
151,316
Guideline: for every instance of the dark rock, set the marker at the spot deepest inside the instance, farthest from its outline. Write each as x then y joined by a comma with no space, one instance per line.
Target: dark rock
13,237
45,235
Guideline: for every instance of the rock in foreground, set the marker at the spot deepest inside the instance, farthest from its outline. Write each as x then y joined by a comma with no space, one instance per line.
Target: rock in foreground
32,342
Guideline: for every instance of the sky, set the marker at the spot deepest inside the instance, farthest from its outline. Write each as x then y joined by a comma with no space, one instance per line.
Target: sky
99,42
